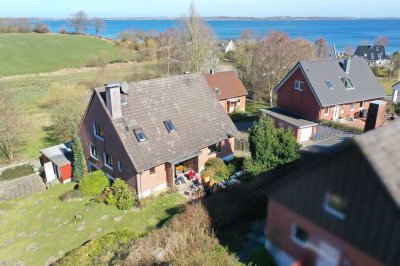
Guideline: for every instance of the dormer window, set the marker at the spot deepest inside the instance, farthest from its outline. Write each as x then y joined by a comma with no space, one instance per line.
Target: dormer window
170,126
123,101
139,133
217,91
347,83
298,85
329,84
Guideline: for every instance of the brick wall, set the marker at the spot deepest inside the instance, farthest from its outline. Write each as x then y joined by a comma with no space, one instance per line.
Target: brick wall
278,230
149,183
344,110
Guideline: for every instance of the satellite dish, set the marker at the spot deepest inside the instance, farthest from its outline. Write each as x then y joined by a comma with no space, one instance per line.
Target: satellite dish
124,87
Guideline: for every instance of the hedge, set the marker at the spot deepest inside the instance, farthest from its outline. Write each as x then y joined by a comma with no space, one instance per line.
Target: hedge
341,126
93,183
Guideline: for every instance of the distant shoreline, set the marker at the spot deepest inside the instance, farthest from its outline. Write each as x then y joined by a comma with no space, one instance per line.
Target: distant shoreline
278,18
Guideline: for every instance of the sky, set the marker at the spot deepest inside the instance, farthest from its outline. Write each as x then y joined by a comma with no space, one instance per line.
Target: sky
176,8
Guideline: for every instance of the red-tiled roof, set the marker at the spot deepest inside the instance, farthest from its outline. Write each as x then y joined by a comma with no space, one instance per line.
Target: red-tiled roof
228,83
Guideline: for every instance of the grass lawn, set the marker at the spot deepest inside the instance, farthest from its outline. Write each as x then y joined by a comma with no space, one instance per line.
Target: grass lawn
31,92
18,171
387,84
23,53
40,226
251,113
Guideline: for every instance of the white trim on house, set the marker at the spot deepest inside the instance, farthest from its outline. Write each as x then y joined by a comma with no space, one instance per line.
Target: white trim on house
95,134
119,166
90,151
336,213
298,85
105,161
299,242
148,192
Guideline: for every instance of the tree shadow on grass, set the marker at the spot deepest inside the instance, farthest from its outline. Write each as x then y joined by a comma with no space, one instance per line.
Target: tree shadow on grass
171,213
51,137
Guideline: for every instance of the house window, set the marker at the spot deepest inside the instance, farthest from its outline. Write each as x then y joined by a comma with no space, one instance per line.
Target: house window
170,126
214,148
119,166
298,85
372,56
347,83
152,171
352,106
108,161
335,205
362,105
326,111
98,131
93,151
329,84
92,168
217,91
139,133
299,235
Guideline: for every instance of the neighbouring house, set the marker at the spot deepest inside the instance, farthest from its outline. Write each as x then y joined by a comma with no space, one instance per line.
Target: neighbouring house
338,89
57,162
229,90
395,93
142,130
326,51
342,209
375,54
301,128
230,46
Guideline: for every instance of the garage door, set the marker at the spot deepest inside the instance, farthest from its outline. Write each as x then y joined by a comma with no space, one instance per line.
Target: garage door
305,134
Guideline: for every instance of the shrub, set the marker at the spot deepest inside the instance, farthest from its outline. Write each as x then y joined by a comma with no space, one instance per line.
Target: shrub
217,169
396,108
120,195
78,164
18,171
70,195
41,28
341,126
93,183
100,250
261,257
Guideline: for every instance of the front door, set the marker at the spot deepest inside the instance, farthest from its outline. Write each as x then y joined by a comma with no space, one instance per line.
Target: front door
336,112
327,255
49,171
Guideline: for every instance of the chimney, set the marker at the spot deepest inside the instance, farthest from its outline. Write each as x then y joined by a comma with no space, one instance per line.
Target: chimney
346,65
212,71
376,115
113,99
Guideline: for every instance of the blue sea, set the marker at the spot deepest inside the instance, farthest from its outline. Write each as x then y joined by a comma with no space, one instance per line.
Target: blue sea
342,33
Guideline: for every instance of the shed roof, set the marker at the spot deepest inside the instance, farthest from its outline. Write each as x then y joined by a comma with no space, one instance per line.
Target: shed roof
288,117
59,154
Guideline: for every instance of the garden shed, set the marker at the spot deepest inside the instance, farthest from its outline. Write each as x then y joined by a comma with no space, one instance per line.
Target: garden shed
57,162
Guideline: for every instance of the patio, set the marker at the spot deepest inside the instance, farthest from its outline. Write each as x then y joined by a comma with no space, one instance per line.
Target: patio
356,123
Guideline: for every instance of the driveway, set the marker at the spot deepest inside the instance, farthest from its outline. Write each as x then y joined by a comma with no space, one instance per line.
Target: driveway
243,126
22,186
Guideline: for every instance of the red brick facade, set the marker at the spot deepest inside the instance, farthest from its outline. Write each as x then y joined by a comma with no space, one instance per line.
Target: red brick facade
279,231
240,106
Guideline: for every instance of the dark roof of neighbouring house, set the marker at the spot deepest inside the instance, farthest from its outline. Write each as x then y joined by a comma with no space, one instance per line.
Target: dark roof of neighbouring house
228,83
380,147
366,51
327,51
396,86
188,102
59,154
317,72
288,117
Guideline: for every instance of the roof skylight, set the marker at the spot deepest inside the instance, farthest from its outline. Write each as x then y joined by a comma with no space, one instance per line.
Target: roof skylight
170,126
329,84
139,133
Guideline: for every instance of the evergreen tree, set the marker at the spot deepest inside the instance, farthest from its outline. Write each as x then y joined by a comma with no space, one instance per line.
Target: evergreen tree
78,166
270,147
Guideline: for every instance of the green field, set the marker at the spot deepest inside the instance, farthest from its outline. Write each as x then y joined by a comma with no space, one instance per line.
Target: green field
24,53
39,227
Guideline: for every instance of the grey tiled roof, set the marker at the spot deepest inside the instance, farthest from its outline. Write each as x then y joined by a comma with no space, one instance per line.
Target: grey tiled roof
381,147
366,86
199,119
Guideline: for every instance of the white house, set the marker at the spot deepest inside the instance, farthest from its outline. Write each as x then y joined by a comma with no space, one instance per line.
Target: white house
395,92
230,46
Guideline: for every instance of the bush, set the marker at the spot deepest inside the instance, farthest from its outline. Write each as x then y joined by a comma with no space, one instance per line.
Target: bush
396,108
120,195
216,169
341,126
74,194
41,28
93,183
78,164
18,171
261,257
101,250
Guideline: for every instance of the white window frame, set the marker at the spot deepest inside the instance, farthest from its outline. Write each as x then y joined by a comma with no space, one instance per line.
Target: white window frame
352,106
105,161
90,151
93,165
299,242
327,113
299,83
336,213
119,166
95,133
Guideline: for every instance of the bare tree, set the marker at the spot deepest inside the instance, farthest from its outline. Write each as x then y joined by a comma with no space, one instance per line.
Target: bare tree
168,42
199,40
12,125
382,40
98,25
348,50
79,22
